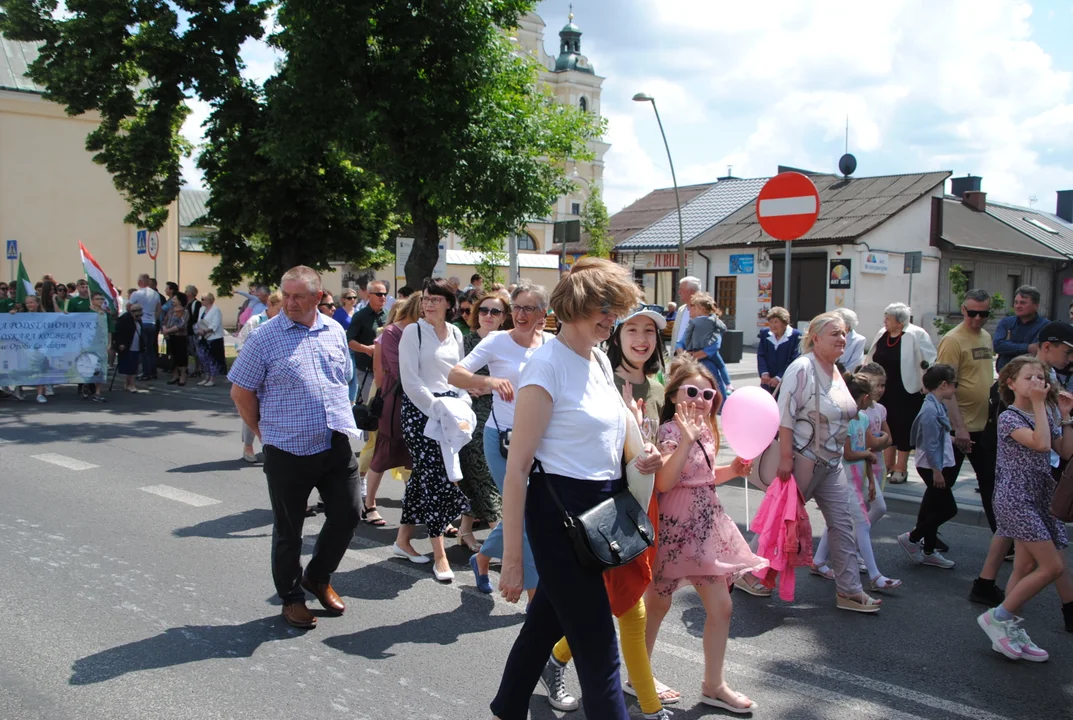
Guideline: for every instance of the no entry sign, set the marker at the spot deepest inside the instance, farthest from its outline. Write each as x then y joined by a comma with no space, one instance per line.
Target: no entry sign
788,206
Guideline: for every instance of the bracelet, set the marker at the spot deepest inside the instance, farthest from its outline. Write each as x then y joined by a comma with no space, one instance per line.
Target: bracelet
1067,422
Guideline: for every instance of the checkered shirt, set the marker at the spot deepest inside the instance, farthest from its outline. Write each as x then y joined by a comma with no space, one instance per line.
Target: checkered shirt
300,376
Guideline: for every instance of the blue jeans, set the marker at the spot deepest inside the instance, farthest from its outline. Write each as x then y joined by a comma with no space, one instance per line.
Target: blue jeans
352,386
493,546
719,370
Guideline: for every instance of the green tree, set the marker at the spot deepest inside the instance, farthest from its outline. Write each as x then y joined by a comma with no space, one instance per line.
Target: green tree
435,100
959,285
594,223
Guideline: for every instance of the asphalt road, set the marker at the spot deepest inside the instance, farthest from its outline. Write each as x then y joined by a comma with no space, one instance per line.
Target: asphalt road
136,585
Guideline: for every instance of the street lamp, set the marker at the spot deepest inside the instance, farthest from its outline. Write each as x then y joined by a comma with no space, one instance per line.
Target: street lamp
645,97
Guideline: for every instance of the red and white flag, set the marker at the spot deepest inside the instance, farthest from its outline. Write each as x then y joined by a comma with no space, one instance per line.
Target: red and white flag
98,281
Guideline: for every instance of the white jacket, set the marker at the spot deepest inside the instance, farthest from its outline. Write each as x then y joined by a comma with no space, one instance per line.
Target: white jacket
451,424
918,354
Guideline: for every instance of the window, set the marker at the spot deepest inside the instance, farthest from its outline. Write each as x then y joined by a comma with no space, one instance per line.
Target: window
1037,223
526,242
583,103
575,208
192,243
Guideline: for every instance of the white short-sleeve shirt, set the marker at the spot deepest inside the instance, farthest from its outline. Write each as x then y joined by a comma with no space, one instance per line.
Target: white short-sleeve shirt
505,359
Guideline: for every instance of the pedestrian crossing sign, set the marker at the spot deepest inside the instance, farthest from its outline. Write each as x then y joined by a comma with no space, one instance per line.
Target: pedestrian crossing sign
142,248
12,249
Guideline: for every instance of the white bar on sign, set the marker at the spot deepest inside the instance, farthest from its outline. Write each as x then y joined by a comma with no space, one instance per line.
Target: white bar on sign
63,461
788,206
173,493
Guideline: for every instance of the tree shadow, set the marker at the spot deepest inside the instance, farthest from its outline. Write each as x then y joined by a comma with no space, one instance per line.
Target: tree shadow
229,525
443,629
214,466
179,646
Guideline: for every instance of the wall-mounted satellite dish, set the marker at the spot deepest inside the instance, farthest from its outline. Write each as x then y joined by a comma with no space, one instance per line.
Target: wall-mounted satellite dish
847,164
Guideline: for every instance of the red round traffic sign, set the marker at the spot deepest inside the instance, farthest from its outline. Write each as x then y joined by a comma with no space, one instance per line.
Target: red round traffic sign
788,205
153,245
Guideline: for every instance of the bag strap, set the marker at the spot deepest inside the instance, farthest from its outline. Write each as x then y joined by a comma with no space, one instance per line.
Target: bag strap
539,470
494,421
815,442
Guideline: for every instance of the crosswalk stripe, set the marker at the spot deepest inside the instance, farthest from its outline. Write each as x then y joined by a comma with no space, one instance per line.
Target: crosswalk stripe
63,461
174,493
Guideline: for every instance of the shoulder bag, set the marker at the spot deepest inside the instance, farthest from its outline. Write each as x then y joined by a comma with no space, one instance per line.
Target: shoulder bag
616,531
1062,502
766,467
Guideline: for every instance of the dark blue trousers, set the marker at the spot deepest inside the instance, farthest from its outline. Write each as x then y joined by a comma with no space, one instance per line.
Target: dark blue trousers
569,601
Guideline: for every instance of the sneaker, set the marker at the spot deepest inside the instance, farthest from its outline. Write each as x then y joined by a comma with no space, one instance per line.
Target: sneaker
49,391
897,477
483,583
988,594
99,398
1029,650
42,399
936,559
911,548
554,681
940,545
19,394
1003,634
663,714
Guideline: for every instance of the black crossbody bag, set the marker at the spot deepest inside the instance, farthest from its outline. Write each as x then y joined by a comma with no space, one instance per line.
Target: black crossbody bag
610,534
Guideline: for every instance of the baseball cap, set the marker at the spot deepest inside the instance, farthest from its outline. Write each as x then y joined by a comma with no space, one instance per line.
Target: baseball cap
1057,332
643,311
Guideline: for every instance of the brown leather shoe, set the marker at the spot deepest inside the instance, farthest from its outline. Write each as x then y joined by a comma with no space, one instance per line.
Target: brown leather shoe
329,599
298,615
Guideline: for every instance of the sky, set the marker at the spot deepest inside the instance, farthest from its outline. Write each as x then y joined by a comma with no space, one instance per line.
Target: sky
971,86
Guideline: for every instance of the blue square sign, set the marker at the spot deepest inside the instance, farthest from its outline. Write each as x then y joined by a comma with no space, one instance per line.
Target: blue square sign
142,250
12,249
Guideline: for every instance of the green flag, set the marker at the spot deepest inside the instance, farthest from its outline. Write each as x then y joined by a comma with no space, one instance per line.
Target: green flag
23,286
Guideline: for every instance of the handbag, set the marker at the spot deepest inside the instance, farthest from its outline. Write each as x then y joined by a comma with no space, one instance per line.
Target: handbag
766,467
1062,502
617,531
504,435
364,415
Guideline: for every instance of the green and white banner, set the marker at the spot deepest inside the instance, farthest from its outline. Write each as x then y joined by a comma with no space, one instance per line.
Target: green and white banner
53,348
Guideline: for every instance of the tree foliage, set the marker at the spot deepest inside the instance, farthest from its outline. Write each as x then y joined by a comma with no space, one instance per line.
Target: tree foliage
594,222
959,286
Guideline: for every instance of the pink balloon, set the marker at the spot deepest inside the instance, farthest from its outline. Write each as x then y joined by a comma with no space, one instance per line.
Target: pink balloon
750,421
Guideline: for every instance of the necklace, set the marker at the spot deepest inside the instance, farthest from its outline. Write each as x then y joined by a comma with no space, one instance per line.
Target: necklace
562,339
897,340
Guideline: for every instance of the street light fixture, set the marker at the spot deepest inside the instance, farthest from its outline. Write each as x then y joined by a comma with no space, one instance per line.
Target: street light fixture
645,97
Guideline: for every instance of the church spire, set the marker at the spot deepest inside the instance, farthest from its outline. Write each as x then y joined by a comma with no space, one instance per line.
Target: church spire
570,57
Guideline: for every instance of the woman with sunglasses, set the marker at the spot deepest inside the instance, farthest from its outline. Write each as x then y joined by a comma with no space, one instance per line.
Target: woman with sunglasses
490,313
905,351
428,350
501,356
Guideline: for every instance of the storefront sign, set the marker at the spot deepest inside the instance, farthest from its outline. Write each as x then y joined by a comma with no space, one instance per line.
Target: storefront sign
840,275
741,264
763,296
665,260
875,263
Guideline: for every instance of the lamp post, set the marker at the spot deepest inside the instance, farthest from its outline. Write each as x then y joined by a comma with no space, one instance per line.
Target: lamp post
645,97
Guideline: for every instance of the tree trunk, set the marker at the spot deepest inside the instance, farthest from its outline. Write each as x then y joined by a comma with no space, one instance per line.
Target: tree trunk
426,250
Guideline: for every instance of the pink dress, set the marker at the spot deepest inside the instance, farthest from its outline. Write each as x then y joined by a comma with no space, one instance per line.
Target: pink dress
698,541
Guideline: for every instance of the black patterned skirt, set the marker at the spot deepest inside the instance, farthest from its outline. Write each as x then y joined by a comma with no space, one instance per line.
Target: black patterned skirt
430,499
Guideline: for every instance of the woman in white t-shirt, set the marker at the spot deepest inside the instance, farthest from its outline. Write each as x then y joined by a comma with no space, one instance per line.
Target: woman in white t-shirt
570,418
504,354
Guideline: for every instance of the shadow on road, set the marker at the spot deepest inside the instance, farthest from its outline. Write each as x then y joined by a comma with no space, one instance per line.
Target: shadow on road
471,616
179,646
213,466
229,525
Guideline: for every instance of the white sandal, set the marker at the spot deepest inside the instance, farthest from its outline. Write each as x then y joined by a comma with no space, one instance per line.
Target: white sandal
882,583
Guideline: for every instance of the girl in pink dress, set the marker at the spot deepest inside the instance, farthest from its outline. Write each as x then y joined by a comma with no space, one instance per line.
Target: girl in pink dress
699,543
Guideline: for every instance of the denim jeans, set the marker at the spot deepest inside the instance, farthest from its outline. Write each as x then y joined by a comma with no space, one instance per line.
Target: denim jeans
493,546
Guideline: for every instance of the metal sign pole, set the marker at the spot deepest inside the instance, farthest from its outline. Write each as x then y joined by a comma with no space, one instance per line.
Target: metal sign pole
909,300
786,281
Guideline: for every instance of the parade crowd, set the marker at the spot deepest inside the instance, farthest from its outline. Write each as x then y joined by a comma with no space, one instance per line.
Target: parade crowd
494,422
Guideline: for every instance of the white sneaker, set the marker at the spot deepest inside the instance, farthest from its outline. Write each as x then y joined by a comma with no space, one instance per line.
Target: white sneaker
1003,634
49,391
42,399
1029,650
936,559
911,548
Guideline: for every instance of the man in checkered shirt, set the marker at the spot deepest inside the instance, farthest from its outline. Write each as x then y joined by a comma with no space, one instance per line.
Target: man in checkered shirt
289,384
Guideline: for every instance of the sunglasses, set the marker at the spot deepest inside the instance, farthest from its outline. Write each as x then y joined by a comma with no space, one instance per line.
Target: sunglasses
378,294
692,391
350,297
494,312
978,313
330,305
465,311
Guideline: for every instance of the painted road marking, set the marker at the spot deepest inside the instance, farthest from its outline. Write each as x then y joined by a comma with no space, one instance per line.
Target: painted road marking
776,207
173,493
63,461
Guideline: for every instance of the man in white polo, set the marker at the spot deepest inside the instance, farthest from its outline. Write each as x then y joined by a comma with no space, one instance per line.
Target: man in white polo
687,287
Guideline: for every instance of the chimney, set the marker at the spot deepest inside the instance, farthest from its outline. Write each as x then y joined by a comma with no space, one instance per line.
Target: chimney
959,186
975,199
1065,205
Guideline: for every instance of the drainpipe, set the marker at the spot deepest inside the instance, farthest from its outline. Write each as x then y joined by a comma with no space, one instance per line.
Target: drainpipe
707,268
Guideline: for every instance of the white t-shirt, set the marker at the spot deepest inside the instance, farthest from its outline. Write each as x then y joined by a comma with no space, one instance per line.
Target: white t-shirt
149,299
587,429
424,365
505,359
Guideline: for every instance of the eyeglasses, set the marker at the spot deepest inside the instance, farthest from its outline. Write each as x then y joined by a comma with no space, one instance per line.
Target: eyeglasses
692,391
329,305
378,294
432,299
978,313
494,312
527,309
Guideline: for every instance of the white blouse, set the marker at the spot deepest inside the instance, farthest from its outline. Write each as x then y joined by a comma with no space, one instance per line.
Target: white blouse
425,364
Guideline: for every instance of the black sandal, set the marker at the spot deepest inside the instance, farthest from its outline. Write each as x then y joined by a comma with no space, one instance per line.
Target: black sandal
375,522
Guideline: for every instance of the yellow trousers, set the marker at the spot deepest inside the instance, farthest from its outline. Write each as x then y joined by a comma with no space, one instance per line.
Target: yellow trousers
631,631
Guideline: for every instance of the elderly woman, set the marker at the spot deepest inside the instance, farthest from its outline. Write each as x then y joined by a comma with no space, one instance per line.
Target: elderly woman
905,351
853,357
210,346
812,450
428,350
173,325
503,355
127,341
779,346
571,419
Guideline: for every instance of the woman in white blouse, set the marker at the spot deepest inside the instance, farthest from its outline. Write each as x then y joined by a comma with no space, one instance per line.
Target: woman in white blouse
210,331
428,350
